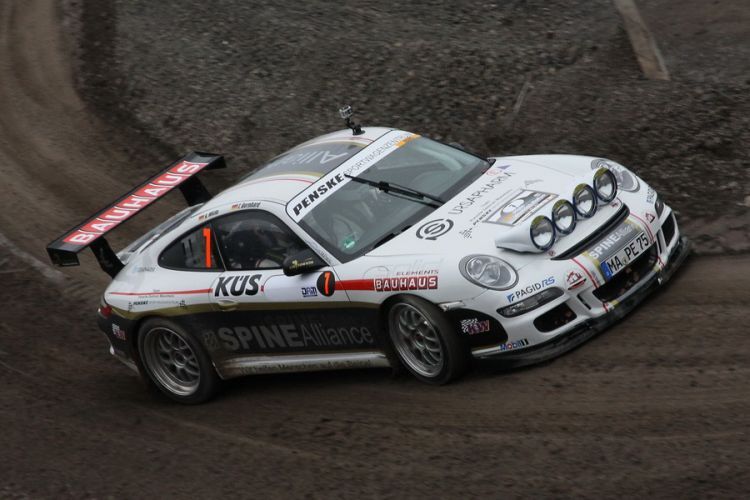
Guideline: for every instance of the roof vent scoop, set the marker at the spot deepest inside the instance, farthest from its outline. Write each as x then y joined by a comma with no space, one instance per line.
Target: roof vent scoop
346,113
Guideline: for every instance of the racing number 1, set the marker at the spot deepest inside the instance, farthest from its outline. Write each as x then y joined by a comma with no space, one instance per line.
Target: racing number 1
207,237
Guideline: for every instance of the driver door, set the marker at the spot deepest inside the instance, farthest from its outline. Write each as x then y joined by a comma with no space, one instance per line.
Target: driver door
260,310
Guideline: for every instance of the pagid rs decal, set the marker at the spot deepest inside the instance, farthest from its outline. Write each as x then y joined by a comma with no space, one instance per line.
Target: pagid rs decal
531,289
235,286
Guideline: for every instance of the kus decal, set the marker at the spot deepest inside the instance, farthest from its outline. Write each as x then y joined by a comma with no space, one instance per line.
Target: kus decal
434,229
237,285
523,205
477,195
405,283
514,345
473,326
531,289
133,203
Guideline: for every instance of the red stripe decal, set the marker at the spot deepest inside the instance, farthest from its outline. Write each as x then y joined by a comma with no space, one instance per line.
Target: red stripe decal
181,292
595,282
355,285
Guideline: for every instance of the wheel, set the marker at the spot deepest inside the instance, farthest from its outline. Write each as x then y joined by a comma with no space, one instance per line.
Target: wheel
176,363
425,342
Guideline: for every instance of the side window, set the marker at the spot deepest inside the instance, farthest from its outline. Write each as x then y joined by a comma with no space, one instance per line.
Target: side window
194,251
255,240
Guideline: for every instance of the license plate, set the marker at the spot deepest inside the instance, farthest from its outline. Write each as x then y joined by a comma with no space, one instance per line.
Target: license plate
625,256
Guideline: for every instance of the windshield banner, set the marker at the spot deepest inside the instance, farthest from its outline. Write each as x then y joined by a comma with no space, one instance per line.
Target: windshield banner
354,166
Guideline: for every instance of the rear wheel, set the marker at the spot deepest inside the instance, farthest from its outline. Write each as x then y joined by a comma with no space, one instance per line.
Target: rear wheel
425,342
176,363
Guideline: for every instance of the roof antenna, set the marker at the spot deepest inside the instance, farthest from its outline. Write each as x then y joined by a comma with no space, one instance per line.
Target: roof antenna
346,113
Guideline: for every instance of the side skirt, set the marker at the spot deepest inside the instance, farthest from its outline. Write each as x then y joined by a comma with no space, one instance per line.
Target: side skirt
257,364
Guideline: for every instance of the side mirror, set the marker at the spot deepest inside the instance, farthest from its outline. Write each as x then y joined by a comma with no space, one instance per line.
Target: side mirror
302,262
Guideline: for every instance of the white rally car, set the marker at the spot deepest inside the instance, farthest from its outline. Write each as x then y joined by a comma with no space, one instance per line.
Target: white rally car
375,247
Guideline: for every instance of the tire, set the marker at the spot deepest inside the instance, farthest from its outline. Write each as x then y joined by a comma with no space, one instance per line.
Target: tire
424,341
176,363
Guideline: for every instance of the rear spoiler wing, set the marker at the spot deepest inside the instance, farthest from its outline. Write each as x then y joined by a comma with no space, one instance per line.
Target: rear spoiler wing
90,233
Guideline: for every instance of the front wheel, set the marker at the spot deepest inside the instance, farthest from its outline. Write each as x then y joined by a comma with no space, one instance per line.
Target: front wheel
425,342
176,363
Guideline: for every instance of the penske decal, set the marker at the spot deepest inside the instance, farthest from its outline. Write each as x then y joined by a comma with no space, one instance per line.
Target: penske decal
357,164
133,203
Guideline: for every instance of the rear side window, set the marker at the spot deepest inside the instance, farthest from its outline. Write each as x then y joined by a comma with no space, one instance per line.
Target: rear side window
195,251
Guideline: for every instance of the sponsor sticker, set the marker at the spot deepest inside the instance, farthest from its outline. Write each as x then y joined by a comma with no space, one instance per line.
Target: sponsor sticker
434,229
531,289
474,326
286,334
118,332
605,247
650,217
326,284
309,291
237,285
522,206
245,205
132,203
405,283
478,195
514,345
574,279
331,182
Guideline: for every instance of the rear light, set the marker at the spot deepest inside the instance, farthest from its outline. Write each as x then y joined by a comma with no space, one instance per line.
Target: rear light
105,310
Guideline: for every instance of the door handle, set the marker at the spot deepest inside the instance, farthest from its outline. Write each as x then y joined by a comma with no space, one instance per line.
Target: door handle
227,304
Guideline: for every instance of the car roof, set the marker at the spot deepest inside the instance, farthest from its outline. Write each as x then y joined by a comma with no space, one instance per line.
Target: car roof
286,175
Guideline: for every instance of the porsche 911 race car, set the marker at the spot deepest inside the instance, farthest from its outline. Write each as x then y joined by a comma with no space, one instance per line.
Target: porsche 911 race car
375,247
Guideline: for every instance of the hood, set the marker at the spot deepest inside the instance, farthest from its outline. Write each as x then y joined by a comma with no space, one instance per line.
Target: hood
495,211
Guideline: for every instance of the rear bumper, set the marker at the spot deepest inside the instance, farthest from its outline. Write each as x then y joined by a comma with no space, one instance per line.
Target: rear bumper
588,329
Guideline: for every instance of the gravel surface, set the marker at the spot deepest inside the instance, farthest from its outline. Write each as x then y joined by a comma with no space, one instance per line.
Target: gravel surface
252,78
653,408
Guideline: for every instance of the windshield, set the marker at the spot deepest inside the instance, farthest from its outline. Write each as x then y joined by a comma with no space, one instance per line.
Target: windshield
358,217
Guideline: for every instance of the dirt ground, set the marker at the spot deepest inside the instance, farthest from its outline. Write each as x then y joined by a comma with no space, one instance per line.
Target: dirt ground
657,406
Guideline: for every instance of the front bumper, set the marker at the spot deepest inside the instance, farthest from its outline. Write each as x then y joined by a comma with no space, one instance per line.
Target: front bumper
588,329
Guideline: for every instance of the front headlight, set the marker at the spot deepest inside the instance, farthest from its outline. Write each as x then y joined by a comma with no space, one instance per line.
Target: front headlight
542,233
659,206
605,185
564,216
626,180
584,200
488,271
